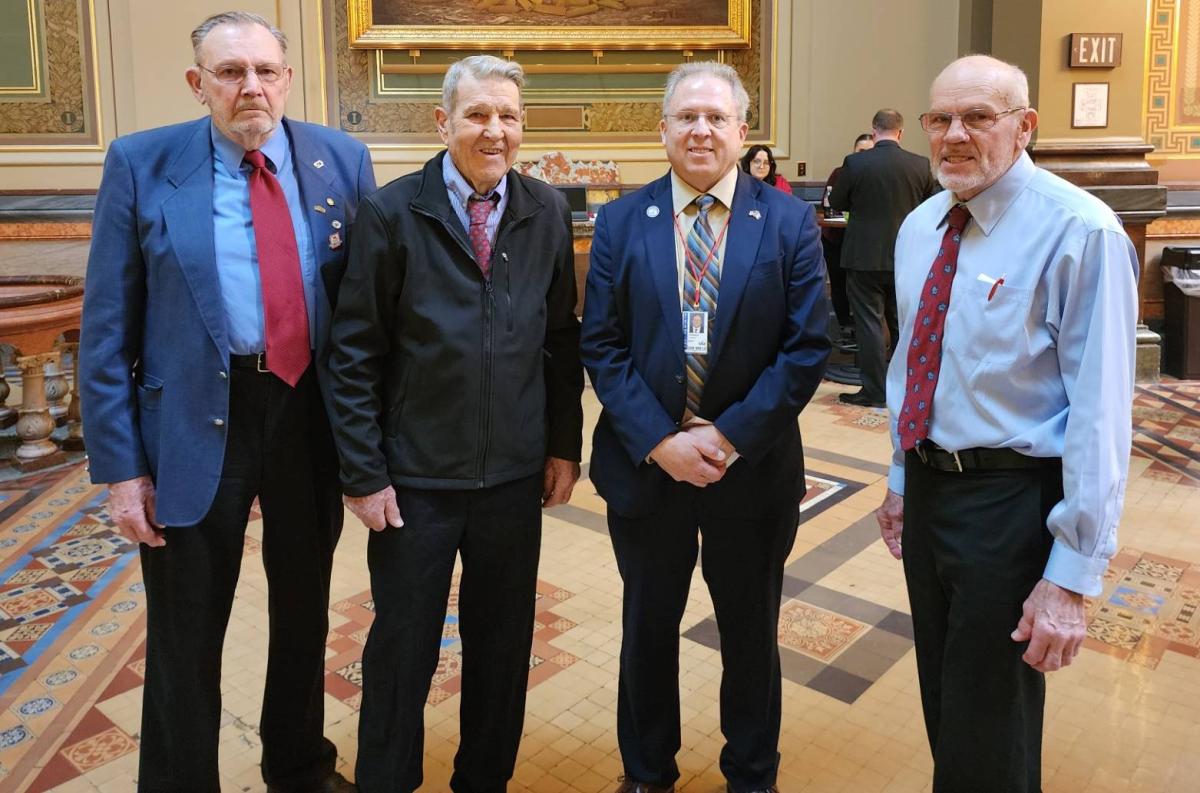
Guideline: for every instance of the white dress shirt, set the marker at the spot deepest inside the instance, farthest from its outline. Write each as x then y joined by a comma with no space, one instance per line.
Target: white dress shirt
1042,363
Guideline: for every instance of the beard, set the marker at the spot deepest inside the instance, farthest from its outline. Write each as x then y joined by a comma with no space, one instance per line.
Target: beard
986,171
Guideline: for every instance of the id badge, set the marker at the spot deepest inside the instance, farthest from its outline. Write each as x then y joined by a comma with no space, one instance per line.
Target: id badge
695,332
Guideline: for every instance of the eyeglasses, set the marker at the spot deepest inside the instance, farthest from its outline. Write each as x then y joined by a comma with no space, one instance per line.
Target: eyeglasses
977,120
688,119
230,73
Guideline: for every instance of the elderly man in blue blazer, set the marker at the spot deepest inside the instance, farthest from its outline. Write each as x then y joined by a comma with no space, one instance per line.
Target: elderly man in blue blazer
217,249
704,332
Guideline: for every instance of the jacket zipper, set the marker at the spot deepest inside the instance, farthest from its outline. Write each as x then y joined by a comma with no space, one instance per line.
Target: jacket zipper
485,386
508,289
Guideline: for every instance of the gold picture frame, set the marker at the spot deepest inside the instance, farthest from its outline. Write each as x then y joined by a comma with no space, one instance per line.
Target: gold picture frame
549,24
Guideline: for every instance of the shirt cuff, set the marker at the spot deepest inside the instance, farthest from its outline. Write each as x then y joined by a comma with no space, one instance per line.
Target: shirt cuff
1072,570
896,479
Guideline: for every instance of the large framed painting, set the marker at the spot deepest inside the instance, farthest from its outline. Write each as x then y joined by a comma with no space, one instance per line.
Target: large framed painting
550,24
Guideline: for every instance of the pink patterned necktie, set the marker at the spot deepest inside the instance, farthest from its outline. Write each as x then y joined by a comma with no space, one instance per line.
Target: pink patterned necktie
285,315
479,208
925,352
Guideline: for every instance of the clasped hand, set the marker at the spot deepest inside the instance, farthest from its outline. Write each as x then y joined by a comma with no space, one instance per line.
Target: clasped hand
697,455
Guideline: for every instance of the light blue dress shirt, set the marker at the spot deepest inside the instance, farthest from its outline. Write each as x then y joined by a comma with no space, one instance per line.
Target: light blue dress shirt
235,248
1043,364
460,190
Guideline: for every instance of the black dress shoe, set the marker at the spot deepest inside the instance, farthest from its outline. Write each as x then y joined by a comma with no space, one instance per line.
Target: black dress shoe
334,783
860,400
633,786
771,789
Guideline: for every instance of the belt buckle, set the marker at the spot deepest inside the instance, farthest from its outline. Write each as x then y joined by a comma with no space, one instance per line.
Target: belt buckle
260,363
919,448
957,461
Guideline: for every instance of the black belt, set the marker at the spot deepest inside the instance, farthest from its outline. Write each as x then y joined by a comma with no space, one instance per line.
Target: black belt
978,459
255,363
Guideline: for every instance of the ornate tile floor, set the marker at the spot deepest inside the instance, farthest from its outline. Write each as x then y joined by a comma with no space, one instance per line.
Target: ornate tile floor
1125,717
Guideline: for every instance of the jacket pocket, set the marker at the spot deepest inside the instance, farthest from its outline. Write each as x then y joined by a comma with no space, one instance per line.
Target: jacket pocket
149,397
149,392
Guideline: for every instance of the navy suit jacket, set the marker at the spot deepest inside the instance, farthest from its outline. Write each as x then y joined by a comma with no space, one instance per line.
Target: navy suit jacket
769,347
154,352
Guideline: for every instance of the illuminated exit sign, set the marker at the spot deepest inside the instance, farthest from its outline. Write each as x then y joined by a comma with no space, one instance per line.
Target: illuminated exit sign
1096,50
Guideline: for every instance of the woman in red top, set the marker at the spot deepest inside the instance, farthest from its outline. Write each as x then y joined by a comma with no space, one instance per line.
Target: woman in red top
760,163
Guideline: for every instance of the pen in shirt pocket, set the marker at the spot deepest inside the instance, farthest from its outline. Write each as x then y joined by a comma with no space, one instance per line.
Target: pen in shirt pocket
995,282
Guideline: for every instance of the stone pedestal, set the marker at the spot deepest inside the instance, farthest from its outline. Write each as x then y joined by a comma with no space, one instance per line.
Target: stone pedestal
8,416
74,440
56,392
34,423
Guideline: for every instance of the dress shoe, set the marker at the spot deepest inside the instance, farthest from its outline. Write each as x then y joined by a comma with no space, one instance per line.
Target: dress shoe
771,789
334,783
633,786
861,400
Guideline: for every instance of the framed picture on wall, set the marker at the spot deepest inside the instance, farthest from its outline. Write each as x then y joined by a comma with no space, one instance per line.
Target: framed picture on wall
549,24
1089,105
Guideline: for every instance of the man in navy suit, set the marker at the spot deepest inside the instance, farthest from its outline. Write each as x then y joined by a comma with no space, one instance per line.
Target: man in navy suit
217,249
699,435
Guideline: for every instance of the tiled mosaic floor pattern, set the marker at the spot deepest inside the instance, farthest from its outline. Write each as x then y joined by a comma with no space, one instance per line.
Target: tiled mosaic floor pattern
1125,717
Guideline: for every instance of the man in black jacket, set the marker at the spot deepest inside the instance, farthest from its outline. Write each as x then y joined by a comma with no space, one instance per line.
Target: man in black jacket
457,393
878,187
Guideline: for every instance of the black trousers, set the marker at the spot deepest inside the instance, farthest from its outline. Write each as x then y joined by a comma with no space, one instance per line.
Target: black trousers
278,448
837,280
872,295
975,544
742,563
497,531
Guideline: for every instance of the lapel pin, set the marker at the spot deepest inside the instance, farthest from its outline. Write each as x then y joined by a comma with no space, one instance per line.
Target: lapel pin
319,208
335,241
651,211
319,164
337,224
329,201
754,213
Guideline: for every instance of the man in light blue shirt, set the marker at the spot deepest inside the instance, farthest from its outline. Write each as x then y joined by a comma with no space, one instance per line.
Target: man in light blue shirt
1011,434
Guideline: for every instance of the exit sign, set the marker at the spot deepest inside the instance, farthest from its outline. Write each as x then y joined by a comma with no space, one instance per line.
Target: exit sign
1096,50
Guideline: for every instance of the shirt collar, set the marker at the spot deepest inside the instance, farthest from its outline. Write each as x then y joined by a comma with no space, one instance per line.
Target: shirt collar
275,149
989,206
457,184
683,193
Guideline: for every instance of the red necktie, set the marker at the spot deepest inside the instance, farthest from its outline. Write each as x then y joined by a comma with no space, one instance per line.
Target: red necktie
479,209
925,352
284,310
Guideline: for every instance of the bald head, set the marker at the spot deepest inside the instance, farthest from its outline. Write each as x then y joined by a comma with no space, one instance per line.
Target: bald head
1006,83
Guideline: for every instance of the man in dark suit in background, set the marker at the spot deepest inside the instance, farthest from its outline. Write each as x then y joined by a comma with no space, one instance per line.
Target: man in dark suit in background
878,187
217,249
699,432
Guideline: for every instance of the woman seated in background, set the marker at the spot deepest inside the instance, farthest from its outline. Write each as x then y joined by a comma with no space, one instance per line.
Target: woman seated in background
760,163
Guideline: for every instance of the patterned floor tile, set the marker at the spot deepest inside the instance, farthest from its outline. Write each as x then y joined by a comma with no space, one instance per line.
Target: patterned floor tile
99,749
815,632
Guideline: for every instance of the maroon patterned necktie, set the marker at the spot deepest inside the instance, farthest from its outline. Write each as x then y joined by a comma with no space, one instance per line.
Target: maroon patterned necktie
285,314
925,352
479,209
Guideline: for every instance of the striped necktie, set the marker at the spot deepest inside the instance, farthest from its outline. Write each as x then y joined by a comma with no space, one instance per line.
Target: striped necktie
700,242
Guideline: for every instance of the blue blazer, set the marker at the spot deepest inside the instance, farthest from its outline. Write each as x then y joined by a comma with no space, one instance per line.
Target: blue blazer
154,354
769,347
